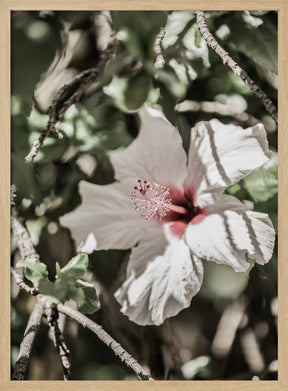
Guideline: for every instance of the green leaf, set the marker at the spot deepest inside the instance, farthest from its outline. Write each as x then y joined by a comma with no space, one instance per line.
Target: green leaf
251,20
263,183
259,44
116,90
131,42
90,301
67,285
34,270
198,38
270,207
222,282
270,270
23,176
58,269
176,24
196,46
137,90
77,294
168,102
199,366
144,23
258,13
56,291
75,268
168,77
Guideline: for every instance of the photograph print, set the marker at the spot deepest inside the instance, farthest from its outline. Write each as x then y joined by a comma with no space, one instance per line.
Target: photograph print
144,182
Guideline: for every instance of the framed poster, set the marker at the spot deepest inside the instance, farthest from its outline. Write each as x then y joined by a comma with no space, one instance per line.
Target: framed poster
143,189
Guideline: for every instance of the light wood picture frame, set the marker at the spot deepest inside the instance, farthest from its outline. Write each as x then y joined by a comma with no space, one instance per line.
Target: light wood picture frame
6,384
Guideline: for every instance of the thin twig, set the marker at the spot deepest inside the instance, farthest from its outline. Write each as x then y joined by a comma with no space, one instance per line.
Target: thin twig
227,328
27,342
24,241
25,244
106,338
160,60
216,108
251,351
27,251
58,339
66,96
238,71
18,279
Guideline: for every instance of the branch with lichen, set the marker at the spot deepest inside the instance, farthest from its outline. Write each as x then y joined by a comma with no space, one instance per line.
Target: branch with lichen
32,328
24,242
22,285
238,71
160,60
52,315
216,108
118,350
68,95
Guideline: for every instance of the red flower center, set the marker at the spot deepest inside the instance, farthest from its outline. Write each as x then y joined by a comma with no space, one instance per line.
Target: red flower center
167,204
193,215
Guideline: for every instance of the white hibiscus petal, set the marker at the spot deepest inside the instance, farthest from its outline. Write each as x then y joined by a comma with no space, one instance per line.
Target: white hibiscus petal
152,244
106,218
156,155
164,288
229,232
221,155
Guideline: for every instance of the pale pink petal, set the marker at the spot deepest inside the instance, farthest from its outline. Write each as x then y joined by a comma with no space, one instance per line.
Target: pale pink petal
229,232
221,155
106,218
156,155
152,244
163,284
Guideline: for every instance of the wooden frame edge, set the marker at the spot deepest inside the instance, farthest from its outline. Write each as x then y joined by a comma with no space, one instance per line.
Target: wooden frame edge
5,383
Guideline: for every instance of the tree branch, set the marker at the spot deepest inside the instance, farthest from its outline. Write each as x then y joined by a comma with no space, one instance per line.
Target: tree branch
27,342
58,339
27,250
24,241
216,108
238,71
66,96
106,338
160,60
18,279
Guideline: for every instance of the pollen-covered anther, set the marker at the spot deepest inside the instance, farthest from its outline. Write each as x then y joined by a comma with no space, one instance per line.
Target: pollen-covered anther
151,200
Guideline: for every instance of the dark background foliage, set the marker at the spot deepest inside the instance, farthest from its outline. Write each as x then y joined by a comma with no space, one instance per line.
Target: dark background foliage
188,346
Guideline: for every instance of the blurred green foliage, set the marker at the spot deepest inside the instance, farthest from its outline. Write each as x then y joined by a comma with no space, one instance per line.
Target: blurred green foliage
106,120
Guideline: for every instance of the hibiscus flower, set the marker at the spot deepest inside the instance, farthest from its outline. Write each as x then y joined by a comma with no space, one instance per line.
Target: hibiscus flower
171,210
